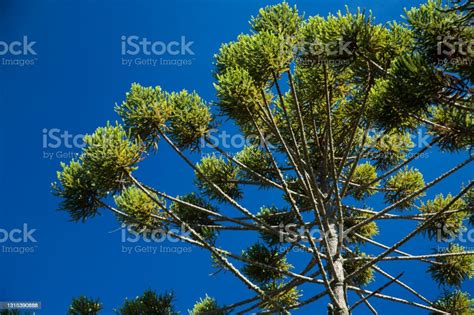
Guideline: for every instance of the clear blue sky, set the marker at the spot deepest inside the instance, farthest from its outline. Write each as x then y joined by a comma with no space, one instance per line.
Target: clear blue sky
73,85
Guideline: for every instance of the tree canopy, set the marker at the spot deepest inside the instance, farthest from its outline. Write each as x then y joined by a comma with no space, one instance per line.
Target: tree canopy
330,105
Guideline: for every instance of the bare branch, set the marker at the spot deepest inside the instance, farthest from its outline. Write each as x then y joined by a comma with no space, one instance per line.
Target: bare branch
409,197
374,292
411,234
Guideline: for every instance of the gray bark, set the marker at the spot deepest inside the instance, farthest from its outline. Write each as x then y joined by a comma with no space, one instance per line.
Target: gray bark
338,274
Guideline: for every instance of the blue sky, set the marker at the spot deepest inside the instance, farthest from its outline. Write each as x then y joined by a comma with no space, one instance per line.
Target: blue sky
71,88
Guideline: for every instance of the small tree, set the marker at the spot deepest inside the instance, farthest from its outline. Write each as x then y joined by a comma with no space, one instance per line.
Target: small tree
331,105
84,306
148,303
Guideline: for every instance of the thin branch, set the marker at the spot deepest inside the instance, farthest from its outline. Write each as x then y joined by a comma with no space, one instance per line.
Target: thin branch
409,197
396,299
400,283
368,240
217,188
374,292
411,234
417,257
370,307
200,239
298,216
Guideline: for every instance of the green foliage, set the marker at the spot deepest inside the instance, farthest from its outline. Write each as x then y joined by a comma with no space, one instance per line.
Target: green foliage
275,217
443,36
458,134
207,306
455,303
420,79
411,88
258,161
145,112
454,269
149,111
469,200
390,149
280,19
259,253
390,77
446,225
284,299
399,40
103,168
338,40
149,304
79,193
143,212
363,175
190,121
327,38
402,184
221,173
260,54
424,77
194,217
84,306
352,218
309,83
364,277
238,95
110,156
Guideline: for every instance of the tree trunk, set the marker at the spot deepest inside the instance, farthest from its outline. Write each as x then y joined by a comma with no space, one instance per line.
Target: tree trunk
338,274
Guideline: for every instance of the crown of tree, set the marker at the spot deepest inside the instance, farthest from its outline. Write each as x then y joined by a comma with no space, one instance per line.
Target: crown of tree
331,105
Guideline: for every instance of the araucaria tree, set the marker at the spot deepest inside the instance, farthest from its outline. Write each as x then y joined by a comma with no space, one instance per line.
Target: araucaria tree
330,106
